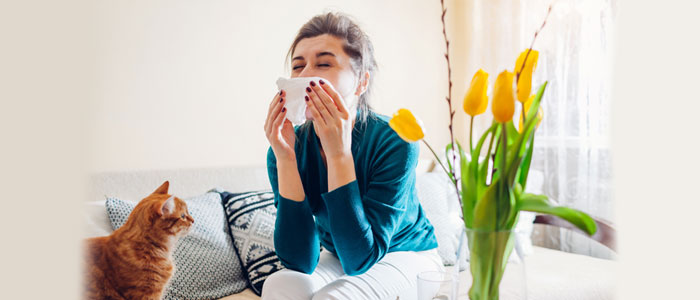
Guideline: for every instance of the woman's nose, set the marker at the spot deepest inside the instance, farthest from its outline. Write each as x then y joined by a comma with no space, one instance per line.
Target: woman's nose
306,72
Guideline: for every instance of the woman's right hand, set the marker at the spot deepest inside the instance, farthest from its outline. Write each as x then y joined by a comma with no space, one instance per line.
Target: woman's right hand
278,130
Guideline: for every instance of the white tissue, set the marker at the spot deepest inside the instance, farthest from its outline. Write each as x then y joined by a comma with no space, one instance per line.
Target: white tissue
295,89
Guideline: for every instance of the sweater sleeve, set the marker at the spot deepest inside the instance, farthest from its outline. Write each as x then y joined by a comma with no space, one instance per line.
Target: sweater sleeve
296,240
362,227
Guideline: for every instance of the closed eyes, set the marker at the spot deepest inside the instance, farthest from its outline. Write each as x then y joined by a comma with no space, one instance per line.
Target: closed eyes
319,65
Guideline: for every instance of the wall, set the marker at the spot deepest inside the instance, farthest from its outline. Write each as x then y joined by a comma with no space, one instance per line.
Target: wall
186,84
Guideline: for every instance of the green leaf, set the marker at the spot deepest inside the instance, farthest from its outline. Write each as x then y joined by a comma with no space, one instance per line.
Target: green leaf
485,211
484,166
500,155
525,164
519,150
504,197
516,154
477,151
513,217
535,106
540,204
476,182
468,183
513,133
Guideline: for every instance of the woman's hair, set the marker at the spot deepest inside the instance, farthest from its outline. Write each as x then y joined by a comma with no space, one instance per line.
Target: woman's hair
356,45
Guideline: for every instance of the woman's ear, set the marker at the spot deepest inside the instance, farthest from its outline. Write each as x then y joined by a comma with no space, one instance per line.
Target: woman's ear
362,87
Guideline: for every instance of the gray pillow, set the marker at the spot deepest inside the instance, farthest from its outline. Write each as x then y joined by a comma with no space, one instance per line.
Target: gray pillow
206,264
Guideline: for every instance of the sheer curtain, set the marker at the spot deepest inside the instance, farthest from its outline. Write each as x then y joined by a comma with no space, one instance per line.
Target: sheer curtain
572,146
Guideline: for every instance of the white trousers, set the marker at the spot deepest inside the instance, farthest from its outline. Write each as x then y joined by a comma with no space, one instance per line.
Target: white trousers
393,276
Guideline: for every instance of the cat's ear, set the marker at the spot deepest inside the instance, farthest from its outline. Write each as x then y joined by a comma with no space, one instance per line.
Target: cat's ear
163,188
168,206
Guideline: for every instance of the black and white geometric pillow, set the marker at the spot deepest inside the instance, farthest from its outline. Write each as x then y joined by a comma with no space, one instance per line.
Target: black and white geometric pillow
251,219
206,263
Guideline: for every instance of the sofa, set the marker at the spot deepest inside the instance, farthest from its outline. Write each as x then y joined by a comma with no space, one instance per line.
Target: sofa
550,274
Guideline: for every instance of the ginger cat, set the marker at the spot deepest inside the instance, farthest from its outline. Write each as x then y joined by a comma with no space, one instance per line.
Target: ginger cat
135,261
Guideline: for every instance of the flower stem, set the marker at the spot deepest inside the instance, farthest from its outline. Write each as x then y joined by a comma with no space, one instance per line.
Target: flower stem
502,169
438,160
471,130
488,153
524,118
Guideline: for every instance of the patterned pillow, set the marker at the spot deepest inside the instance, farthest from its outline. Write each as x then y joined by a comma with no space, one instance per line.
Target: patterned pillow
251,219
206,264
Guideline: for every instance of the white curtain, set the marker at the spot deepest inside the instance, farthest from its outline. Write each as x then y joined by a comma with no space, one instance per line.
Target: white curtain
572,146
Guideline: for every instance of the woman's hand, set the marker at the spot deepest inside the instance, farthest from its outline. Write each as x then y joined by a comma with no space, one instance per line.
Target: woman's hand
279,131
333,124
332,120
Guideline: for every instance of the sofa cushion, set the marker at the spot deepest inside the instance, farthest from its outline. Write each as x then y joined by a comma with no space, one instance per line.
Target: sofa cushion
206,264
96,222
434,192
251,221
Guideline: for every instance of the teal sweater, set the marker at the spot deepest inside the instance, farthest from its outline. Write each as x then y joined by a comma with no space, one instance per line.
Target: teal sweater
361,221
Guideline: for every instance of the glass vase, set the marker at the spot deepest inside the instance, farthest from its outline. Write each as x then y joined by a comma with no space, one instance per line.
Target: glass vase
497,265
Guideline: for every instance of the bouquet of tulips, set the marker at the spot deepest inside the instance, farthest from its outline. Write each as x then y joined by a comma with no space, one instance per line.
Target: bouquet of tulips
491,189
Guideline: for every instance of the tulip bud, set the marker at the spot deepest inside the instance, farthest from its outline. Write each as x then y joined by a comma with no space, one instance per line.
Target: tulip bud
407,126
525,77
475,101
503,105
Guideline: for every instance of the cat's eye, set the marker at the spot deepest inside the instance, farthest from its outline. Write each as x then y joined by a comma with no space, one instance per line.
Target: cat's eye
182,216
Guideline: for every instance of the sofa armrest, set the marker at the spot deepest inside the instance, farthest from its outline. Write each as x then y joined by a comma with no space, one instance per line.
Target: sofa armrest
606,233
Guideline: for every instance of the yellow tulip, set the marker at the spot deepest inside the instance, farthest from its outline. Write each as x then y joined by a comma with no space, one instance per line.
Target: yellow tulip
503,104
407,126
525,80
475,101
540,113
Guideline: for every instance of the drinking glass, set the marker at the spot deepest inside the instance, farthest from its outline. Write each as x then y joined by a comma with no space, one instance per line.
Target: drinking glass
435,285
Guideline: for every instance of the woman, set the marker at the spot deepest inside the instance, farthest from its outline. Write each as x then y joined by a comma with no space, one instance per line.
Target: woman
344,180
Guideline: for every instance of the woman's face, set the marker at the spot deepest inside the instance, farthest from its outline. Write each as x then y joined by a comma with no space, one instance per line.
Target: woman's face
323,56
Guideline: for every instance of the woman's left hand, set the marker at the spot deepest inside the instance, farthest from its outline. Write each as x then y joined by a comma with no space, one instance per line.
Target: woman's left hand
332,120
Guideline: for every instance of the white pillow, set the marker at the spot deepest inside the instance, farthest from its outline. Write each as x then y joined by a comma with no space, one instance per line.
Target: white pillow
96,221
437,198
